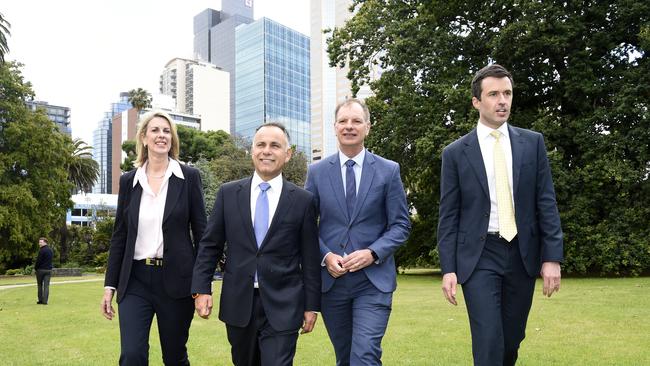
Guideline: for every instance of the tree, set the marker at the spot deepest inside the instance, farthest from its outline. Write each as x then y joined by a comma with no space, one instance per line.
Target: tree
295,171
140,99
34,186
582,78
128,147
4,32
195,144
83,171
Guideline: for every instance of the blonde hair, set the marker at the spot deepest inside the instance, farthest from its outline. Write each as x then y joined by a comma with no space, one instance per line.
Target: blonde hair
141,151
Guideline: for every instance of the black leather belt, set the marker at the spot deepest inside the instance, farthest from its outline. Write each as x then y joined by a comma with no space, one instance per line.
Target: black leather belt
496,235
157,262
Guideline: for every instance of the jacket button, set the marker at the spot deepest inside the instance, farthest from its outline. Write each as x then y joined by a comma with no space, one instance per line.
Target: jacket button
487,214
482,238
258,255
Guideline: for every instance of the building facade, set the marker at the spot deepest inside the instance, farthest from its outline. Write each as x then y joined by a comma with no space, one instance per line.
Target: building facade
272,80
329,85
103,145
214,39
199,89
90,208
57,114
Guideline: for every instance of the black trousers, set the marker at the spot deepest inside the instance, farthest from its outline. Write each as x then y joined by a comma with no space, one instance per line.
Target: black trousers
498,295
43,281
144,297
258,343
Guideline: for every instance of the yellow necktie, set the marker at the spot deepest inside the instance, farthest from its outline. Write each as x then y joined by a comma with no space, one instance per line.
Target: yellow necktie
507,224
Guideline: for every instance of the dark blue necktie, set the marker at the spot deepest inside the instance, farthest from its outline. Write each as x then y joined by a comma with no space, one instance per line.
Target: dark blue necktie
350,186
261,224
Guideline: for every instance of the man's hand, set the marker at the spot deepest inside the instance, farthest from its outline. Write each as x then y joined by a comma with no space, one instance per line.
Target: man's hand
551,273
309,322
106,305
334,266
449,282
203,305
357,260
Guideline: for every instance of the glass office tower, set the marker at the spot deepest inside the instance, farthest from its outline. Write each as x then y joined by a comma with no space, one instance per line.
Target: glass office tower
272,80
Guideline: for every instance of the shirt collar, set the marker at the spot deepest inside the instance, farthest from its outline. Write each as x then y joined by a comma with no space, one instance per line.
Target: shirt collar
276,183
483,131
358,159
174,167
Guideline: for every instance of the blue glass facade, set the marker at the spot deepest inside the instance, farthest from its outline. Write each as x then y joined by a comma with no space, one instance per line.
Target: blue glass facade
272,80
102,145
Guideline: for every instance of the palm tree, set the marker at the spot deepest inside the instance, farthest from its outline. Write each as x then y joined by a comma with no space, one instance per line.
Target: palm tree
83,171
139,99
4,32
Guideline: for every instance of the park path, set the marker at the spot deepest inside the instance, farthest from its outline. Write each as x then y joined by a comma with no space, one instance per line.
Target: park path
4,287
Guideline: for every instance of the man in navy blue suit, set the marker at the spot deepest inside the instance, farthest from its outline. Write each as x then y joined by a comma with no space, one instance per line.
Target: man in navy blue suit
499,222
363,220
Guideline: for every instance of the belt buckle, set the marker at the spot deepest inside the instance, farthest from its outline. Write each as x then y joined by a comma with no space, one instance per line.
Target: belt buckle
153,262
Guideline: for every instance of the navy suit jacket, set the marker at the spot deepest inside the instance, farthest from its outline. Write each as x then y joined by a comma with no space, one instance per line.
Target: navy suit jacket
380,220
184,211
287,261
465,204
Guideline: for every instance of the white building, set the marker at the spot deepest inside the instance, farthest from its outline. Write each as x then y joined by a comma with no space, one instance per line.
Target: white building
88,208
200,89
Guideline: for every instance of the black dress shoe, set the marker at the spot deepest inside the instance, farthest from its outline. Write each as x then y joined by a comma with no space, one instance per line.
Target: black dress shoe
38,302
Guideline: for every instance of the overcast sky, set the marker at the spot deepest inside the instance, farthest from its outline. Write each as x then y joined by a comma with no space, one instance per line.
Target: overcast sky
82,54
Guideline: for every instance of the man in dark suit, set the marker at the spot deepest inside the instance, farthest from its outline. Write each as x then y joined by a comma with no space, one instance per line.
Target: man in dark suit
363,220
43,268
271,281
493,239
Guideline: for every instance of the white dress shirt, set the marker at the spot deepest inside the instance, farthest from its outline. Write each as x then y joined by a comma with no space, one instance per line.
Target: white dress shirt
149,240
486,142
273,194
358,167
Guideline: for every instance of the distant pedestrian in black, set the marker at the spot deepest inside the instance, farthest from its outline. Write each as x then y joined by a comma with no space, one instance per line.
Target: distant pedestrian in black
43,269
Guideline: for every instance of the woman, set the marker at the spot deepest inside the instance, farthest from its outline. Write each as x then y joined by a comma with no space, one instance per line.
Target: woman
152,253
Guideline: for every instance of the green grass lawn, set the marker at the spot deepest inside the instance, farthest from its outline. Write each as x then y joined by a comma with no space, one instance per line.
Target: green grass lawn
602,321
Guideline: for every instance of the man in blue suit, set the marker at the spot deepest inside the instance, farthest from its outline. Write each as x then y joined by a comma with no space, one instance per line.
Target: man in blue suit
493,239
363,220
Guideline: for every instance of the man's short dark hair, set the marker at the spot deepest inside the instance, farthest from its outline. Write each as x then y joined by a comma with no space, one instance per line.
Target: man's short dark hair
278,125
43,239
495,71
366,111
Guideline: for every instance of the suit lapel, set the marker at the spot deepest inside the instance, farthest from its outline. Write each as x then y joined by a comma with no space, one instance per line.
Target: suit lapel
174,188
244,203
284,204
475,158
134,205
367,175
517,146
336,180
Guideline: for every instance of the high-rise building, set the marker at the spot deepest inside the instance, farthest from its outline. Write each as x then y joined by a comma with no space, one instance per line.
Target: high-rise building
201,89
214,39
329,85
272,80
102,145
57,114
